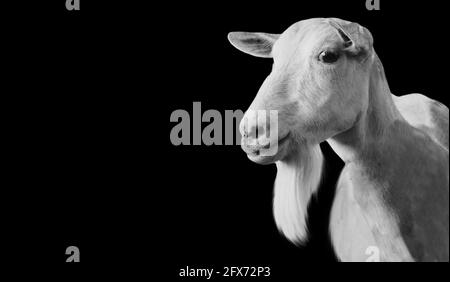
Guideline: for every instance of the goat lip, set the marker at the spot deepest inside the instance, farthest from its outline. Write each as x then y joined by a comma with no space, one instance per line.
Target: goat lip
249,150
262,159
254,153
255,149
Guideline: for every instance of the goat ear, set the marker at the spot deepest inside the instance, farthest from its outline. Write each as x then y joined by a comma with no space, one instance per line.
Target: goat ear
358,40
256,44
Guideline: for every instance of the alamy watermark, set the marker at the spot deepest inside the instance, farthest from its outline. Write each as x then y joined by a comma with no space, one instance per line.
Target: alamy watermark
373,5
373,253
211,127
73,5
73,254
189,131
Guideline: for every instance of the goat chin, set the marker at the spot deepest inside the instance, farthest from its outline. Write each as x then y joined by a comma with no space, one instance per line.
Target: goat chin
298,178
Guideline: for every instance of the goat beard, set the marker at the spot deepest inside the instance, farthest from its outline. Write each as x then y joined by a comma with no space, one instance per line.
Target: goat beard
298,178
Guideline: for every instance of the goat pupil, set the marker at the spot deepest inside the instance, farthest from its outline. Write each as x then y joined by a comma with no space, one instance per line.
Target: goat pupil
329,57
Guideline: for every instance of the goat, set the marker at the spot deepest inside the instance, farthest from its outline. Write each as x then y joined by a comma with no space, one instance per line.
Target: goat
328,84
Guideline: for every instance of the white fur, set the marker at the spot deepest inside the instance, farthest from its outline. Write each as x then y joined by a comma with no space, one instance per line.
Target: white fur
352,227
297,180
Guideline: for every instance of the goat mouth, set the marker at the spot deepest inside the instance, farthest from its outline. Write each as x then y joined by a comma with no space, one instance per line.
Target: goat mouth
255,153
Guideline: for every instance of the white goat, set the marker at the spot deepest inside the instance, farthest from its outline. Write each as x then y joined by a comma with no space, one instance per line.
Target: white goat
328,84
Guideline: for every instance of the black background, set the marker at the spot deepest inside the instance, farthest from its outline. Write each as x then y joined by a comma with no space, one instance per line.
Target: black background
89,95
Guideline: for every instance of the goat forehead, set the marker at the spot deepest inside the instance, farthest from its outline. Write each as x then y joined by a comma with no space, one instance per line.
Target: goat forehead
302,37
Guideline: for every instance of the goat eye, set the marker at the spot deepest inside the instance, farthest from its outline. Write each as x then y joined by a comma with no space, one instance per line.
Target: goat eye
328,57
